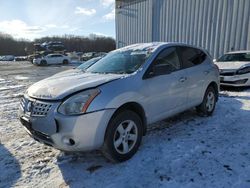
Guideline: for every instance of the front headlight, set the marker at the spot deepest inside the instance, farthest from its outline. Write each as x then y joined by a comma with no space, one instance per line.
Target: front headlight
79,103
244,70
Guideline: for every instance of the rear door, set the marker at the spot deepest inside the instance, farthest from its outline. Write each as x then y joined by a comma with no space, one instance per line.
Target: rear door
56,59
198,68
59,59
165,93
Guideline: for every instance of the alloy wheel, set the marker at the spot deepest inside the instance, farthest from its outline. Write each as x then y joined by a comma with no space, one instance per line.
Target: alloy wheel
125,136
210,101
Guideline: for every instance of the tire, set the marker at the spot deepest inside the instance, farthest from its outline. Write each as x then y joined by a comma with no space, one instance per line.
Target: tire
43,63
206,108
65,62
127,144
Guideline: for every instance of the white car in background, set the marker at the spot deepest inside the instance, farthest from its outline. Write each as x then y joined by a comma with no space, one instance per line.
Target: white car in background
234,68
7,58
52,59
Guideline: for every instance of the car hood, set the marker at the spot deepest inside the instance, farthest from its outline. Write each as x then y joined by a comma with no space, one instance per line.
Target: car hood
65,83
234,65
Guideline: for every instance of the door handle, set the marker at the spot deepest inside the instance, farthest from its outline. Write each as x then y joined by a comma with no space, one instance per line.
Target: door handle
182,79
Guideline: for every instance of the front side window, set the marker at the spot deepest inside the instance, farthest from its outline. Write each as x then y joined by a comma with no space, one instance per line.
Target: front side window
169,58
191,56
121,62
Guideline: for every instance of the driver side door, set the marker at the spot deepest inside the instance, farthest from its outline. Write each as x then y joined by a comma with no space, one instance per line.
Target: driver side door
165,83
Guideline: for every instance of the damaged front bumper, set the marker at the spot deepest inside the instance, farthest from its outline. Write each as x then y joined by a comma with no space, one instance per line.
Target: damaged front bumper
69,133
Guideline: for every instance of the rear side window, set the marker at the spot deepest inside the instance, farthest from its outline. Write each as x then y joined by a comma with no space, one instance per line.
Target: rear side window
191,56
56,56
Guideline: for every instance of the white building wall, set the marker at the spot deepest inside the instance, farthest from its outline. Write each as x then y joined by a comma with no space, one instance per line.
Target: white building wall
216,25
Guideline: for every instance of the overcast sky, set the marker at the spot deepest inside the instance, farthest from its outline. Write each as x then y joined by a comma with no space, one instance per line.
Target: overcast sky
31,19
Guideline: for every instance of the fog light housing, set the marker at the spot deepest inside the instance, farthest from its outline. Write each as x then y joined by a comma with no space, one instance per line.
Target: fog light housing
69,141
241,81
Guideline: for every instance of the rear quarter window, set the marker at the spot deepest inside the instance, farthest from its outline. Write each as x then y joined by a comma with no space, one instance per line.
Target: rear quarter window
191,56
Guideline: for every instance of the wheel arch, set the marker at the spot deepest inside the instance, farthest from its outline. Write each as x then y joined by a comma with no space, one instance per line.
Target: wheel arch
216,88
134,107
43,62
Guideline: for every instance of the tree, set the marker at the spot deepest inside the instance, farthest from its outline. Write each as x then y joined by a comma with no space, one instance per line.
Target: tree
93,43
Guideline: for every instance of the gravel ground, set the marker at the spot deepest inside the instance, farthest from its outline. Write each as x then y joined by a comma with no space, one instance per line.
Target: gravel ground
184,151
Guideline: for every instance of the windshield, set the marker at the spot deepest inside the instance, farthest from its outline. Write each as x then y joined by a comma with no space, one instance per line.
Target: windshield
88,63
235,57
120,62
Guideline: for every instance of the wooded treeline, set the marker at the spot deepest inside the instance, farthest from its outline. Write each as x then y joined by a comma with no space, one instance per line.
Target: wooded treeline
10,46
93,43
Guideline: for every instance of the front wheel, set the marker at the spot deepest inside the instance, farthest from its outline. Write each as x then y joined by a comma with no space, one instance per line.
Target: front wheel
123,136
43,63
206,108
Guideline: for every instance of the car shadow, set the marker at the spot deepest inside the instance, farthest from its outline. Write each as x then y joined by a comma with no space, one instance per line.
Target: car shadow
180,150
10,170
236,89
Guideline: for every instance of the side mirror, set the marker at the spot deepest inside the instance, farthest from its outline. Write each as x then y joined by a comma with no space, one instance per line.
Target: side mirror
160,69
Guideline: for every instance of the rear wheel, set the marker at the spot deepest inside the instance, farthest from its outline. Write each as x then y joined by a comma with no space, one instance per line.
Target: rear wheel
65,61
123,136
206,108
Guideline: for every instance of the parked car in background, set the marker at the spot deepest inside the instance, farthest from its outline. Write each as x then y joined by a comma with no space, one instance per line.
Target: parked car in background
89,63
31,57
51,59
50,47
109,105
21,58
90,55
80,69
87,56
234,68
7,58
75,55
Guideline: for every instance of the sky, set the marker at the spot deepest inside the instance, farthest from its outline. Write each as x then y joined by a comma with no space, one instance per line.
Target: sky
30,19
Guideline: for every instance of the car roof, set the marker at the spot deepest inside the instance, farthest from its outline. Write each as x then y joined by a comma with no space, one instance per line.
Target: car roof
153,46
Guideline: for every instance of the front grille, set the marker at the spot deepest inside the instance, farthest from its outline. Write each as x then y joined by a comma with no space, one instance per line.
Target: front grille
34,107
227,73
40,109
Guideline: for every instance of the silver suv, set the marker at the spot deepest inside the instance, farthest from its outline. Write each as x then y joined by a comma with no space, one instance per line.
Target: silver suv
109,105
